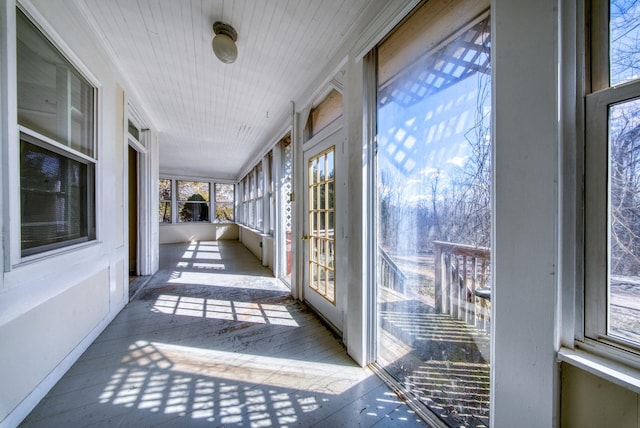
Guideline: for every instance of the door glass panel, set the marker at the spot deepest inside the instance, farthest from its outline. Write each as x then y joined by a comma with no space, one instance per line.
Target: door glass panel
321,218
624,221
433,218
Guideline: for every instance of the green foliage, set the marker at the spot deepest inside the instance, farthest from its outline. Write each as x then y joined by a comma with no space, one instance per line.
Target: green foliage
224,212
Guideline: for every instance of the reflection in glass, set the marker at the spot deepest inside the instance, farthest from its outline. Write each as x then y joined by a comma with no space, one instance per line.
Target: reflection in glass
624,221
53,199
55,100
433,224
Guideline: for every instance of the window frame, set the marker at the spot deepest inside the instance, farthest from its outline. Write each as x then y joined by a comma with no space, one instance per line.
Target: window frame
259,203
207,202
215,201
593,313
211,203
250,199
17,255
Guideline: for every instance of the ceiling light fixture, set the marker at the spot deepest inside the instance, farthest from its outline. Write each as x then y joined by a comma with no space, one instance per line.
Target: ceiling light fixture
224,42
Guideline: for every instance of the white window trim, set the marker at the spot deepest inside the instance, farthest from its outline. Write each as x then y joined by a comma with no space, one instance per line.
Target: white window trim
617,373
596,221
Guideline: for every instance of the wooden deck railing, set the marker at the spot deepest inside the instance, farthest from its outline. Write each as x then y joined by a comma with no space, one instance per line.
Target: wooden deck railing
462,286
389,274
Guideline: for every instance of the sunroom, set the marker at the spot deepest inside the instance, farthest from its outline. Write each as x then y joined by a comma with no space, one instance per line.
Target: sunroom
452,187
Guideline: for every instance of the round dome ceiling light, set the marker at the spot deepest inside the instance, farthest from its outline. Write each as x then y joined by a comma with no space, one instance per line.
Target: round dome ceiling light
224,42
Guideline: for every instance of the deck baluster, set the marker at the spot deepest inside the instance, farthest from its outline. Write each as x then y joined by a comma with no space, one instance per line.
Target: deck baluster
456,285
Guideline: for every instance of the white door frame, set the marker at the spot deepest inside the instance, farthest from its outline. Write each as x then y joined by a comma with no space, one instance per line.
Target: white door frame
147,196
333,135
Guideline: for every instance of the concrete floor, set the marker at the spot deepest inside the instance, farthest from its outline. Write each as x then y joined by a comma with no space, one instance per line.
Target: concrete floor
214,340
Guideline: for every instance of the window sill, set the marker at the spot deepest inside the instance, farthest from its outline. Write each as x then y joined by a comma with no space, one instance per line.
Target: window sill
617,373
256,231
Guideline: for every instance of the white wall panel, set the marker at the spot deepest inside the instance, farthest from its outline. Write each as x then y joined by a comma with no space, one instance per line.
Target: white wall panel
34,344
170,234
525,244
52,307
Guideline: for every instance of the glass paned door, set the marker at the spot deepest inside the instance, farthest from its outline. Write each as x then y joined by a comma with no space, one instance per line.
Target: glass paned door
433,210
321,231
321,288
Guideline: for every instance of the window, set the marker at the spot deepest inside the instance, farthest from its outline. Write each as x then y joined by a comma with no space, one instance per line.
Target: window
134,131
271,193
324,114
612,178
245,200
164,213
56,115
224,202
433,209
259,197
252,198
193,201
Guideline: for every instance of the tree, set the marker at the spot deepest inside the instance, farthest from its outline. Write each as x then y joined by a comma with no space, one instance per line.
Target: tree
195,210
625,190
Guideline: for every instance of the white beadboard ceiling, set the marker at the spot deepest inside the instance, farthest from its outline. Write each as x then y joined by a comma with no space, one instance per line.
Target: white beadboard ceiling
213,118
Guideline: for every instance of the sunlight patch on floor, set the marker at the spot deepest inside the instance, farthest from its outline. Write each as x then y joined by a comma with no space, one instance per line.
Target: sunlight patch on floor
224,309
228,387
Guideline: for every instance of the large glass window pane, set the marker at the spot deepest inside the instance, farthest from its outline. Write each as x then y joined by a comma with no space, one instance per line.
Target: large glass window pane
54,99
224,202
164,213
193,201
624,221
624,28
54,194
433,216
